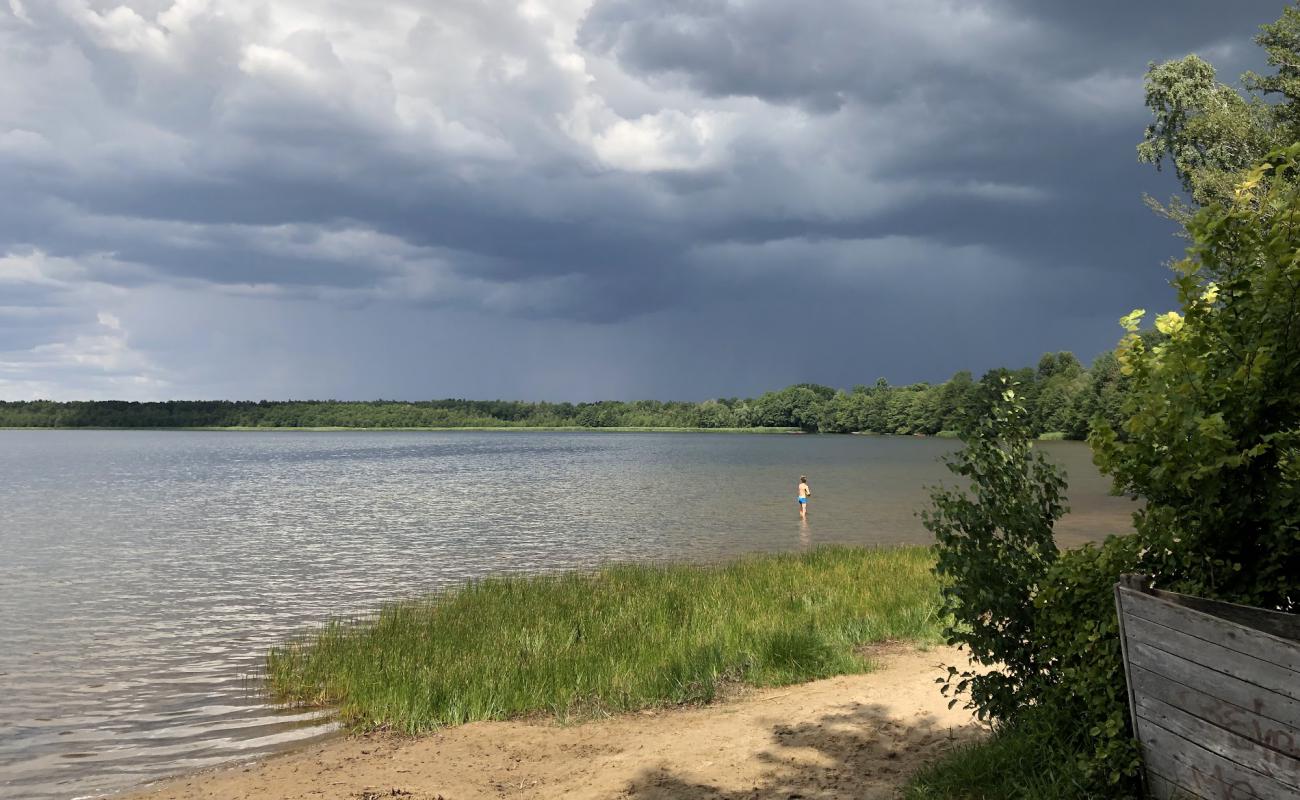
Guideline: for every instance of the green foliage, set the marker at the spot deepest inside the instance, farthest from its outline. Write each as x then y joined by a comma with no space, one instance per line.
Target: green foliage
1081,702
1070,397
622,638
994,547
1281,41
1212,439
1200,418
1209,132
1069,737
1213,134
794,406
1041,627
1024,762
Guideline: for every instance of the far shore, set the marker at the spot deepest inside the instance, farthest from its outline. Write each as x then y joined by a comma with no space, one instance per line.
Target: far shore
859,736
339,428
1047,437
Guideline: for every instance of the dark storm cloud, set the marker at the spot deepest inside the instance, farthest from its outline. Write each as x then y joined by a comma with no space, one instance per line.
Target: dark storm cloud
618,170
821,55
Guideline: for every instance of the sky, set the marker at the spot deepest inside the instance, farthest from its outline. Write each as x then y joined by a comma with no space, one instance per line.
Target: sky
575,199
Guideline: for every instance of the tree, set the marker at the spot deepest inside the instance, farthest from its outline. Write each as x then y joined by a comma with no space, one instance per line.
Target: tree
954,399
794,406
1212,438
1281,40
1210,132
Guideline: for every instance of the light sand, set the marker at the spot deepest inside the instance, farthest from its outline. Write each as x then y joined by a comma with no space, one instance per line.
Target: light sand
857,737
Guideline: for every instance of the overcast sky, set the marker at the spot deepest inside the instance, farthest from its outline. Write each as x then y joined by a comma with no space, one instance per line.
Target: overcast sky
574,200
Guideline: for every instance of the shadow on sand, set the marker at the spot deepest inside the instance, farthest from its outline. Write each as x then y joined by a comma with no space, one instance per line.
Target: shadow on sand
861,752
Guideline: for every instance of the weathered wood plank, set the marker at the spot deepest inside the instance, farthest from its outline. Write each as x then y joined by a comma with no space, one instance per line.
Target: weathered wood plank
1202,772
1261,645
1192,785
1276,623
1241,721
1247,668
1238,749
1161,788
1136,583
1261,700
1210,788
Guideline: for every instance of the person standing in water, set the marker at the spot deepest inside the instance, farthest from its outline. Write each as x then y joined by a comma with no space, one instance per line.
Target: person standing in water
805,491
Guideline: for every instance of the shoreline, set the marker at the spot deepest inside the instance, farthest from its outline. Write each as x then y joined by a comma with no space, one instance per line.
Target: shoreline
470,428
946,435
860,735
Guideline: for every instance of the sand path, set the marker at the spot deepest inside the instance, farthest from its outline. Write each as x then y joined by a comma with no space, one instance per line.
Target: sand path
856,736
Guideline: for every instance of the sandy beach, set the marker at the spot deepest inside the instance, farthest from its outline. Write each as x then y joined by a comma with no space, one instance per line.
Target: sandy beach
857,736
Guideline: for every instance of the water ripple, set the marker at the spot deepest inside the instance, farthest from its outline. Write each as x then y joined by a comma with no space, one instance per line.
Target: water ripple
144,574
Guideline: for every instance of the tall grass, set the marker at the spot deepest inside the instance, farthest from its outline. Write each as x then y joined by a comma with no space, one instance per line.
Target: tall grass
621,638
1020,763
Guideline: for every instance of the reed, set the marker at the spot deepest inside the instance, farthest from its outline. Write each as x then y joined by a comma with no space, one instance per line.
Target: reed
621,638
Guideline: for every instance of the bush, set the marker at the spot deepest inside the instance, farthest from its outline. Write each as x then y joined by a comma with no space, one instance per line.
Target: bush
1212,438
1083,693
994,547
1211,441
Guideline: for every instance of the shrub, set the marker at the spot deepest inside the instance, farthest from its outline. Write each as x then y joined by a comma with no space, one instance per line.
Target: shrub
994,547
1211,441
1042,626
1083,692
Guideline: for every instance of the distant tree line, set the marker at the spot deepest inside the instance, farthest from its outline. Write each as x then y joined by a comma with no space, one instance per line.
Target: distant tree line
1062,394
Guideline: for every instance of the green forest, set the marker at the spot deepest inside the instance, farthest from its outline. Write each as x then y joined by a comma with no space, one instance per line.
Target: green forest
1062,394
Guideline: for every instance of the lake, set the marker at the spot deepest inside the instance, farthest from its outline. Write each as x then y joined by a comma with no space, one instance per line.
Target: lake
143,574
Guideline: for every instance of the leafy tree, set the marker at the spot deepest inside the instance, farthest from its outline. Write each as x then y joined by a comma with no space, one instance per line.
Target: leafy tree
955,397
1281,41
1213,134
1212,440
1206,129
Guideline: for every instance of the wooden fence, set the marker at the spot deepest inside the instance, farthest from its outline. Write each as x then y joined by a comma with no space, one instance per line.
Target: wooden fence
1214,692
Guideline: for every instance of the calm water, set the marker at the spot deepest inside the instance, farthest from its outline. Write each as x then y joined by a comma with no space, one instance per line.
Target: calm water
143,574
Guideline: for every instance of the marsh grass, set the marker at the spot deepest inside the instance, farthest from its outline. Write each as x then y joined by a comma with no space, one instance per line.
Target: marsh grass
621,638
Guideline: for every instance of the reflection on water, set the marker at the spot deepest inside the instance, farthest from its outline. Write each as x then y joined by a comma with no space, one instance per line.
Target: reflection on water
144,573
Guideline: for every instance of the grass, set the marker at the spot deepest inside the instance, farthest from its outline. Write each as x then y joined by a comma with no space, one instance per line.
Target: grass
622,638
1019,763
1052,436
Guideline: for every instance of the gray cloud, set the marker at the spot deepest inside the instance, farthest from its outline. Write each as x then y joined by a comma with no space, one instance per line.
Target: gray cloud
606,198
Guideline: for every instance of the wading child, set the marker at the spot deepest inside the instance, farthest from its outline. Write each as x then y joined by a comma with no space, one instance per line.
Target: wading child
805,492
